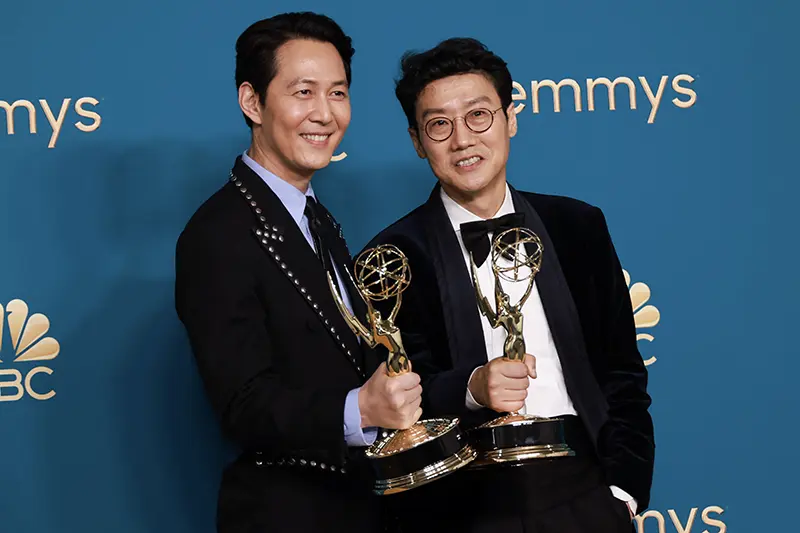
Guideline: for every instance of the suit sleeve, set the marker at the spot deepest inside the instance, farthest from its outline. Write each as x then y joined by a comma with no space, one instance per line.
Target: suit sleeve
627,445
217,299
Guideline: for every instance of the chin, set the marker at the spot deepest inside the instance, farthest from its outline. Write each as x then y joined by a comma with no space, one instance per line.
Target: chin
471,186
316,161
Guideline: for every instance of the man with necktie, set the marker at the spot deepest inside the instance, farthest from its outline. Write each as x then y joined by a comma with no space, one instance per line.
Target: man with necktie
581,364
293,387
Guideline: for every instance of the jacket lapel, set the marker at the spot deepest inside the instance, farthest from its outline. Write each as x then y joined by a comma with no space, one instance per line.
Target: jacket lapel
564,322
459,305
344,261
281,239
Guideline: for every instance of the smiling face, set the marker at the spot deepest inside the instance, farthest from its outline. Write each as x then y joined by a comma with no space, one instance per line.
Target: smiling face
469,165
305,113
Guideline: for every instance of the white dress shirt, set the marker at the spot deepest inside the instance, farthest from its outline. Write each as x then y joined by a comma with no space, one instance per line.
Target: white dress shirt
547,394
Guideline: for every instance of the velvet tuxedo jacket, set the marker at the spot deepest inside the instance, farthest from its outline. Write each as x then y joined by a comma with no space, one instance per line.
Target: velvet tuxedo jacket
442,332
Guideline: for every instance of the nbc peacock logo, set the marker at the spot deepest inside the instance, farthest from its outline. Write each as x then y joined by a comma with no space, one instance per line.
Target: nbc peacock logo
644,316
28,345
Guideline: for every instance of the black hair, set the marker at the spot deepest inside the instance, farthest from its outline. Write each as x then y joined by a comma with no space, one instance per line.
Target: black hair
449,58
256,48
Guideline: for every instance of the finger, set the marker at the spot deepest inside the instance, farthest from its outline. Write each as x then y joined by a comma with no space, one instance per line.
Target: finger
514,369
510,407
417,415
406,399
530,362
520,383
513,395
407,381
414,394
414,405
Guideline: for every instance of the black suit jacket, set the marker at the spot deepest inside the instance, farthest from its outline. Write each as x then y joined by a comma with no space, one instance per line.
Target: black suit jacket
442,332
277,361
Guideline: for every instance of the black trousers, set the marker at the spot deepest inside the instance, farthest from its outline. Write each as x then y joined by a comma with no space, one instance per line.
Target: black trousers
560,495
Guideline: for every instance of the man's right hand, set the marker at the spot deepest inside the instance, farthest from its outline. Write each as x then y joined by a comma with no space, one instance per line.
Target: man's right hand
502,385
390,402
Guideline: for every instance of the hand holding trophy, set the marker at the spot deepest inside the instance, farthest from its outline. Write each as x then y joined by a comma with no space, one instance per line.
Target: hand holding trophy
402,459
516,257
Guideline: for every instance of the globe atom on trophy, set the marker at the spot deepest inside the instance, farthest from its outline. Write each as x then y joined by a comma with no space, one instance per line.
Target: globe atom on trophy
516,257
401,459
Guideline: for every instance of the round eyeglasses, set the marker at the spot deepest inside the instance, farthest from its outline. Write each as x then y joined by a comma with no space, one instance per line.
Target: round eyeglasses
477,120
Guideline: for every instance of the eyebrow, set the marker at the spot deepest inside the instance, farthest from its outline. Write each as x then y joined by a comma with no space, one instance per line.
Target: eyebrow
309,81
439,110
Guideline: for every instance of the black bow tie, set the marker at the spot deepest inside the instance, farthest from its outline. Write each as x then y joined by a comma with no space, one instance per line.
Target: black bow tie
476,234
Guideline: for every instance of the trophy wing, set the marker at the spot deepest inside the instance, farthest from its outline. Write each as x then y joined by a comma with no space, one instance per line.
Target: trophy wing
483,302
355,325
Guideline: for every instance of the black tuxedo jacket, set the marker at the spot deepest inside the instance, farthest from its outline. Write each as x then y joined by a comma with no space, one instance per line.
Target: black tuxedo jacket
277,361
442,332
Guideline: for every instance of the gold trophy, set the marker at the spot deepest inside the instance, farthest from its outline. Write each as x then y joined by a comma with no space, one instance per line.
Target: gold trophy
514,437
401,459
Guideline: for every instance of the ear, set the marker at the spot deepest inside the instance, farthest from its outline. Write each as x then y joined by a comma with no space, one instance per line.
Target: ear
249,102
417,143
512,120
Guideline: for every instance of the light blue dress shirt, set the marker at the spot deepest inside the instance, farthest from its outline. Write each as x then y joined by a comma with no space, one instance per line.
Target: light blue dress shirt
295,202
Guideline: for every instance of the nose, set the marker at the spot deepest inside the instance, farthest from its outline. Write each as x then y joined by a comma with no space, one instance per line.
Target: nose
322,111
462,137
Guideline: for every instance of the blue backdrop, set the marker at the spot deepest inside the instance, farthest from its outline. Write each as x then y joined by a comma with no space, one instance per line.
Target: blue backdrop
698,197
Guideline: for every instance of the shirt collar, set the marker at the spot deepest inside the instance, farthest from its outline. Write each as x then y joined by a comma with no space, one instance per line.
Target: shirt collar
290,196
459,215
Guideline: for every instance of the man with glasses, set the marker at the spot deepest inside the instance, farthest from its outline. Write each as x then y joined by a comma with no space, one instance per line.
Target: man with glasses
582,362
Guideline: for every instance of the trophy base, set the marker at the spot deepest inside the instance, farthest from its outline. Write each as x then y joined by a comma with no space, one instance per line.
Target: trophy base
406,459
516,439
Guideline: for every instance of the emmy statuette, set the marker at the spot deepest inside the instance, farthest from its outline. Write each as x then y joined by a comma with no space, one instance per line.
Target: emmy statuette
431,449
514,437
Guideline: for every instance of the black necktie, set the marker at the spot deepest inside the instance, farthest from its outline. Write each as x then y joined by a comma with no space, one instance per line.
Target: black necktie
321,233
476,234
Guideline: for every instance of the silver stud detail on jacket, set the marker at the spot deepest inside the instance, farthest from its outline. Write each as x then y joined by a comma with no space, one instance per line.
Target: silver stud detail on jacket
273,232
292,461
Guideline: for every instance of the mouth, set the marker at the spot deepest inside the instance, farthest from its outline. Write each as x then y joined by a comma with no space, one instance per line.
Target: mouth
317,139
469,163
